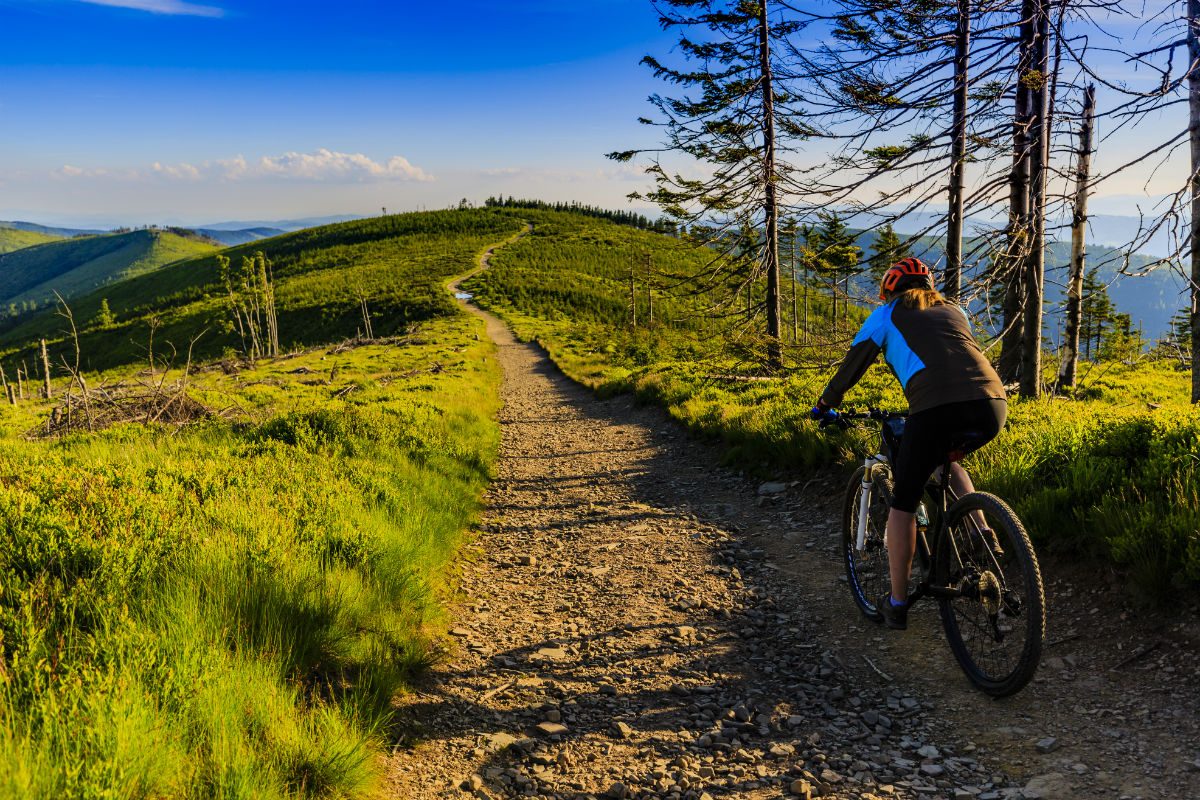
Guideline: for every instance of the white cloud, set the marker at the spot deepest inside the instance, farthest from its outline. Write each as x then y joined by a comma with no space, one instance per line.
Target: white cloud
177,171
321,166
329,165
173,7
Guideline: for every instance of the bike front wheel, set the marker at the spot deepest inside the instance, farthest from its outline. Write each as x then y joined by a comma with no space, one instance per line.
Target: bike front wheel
867,569
995,615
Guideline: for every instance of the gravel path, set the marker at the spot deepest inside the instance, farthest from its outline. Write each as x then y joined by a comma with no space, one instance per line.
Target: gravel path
637,622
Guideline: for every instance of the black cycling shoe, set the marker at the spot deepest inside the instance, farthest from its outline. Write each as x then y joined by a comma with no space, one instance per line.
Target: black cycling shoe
895,617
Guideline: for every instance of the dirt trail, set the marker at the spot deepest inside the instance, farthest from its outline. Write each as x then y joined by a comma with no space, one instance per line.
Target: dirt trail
638,622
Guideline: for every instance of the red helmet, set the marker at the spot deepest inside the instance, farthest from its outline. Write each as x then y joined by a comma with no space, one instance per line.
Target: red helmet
905,275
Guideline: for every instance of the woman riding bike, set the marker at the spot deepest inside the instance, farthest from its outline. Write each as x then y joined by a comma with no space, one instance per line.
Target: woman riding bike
956,402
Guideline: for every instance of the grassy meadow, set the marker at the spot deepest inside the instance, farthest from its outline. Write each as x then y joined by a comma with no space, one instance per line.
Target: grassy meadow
226,609
15,239
398,263
1109,473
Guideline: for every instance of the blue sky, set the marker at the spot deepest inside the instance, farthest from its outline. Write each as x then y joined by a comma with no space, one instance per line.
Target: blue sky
194,111
475,97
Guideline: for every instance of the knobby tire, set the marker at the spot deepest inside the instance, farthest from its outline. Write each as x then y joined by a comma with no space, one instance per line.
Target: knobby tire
1002,668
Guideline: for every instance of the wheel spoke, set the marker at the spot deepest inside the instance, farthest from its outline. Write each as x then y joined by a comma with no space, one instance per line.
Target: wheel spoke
997,648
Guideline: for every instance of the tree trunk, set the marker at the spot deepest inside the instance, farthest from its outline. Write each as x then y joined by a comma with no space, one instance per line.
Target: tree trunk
46,388
1193,41
632,296
952,285
770,199
1083,163
1019,222
795,295
1035,258
649,292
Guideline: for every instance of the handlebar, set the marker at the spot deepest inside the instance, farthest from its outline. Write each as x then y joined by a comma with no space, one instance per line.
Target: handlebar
877,414
842,419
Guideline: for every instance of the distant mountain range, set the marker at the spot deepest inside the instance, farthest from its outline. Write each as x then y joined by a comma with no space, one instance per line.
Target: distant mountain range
1151,299
287,225
225,233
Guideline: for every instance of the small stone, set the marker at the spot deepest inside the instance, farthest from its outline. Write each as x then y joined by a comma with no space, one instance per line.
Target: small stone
772,488
461,633
551,654
500,741
553,715
527,561
1047,745
618,791
932,770
870,717
1056,663
473,783
1051,786
782,750
620,730
608,689
802,789
685,631
928,751
829,776
551,728
795,721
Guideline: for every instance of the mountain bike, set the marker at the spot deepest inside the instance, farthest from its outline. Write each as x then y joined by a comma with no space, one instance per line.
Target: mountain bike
973,556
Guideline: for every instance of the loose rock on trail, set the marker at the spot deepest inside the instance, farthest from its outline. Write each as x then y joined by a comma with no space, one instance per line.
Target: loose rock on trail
639,622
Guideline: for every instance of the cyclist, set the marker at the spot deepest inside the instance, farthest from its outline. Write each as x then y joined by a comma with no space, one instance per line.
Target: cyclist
956,402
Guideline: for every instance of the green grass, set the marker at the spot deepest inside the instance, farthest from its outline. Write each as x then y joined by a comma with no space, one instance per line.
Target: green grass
16,239
1105,475
398,262
75,266
227,610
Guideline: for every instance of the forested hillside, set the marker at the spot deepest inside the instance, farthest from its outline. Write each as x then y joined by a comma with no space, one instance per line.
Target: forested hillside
30,277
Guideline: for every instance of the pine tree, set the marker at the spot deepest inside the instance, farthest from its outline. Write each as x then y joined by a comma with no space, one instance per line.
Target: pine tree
105,317
1096,313
886,250
733,117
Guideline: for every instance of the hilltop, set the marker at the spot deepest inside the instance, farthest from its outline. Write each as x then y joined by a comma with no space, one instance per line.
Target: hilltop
16,239
29,277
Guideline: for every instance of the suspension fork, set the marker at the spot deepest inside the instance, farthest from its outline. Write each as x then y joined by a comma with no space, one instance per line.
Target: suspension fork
864,498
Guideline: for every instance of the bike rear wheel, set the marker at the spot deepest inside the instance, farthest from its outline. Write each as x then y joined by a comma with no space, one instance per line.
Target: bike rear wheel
997,623
867,569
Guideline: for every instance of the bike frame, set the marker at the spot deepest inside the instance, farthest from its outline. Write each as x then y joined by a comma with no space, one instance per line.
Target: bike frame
929,584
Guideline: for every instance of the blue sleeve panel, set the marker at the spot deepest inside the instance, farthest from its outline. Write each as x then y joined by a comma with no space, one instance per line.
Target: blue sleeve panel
881,330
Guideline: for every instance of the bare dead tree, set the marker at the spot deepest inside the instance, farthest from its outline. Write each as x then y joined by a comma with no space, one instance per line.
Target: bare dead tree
47,390
1083,161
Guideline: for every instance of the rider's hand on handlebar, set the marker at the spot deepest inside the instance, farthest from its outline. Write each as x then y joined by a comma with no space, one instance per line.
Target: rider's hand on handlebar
826,415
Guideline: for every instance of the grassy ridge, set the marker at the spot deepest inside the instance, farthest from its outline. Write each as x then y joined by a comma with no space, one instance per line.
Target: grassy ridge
399,262
1107,474
74,266
16,239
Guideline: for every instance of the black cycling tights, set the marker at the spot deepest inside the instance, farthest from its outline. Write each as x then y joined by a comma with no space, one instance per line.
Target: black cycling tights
931,434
